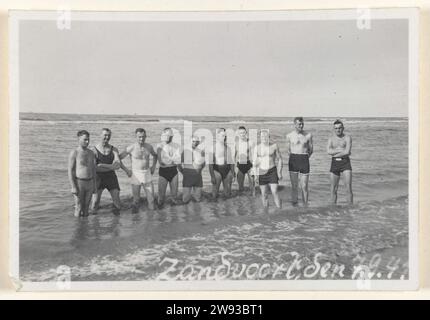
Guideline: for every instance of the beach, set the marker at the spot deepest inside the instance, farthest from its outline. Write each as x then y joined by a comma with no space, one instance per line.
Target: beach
227,232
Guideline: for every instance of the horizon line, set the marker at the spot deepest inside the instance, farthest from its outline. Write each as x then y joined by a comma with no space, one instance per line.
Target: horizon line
202,115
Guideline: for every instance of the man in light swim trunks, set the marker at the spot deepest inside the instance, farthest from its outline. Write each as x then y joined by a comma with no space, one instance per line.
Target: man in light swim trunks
141,173
267,161
243,153
300,148
222,169
107,161
168,157
193,162
82,174
339,147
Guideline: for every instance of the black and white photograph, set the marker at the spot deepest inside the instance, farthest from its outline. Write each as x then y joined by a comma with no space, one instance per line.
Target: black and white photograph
253,150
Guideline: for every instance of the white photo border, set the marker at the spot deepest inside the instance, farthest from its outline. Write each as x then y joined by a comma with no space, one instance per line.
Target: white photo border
410,14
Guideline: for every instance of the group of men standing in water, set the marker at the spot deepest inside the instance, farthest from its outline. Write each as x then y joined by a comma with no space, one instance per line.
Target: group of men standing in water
91,170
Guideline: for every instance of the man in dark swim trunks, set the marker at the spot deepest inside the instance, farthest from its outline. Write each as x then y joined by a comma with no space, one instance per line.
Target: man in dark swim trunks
222,169
339,147
267,160
107,160
300,148
243,153
193,162
168,157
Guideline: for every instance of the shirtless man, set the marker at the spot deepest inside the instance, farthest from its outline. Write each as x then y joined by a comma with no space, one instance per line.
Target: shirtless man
82,174
193,162
168,157
107,161
339,147
300,148
243,153
268,163
141,173
222,169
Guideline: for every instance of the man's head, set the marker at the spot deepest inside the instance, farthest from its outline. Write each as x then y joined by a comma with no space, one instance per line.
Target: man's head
140,135
195,141
241,131
221,134
264,135
83,138
338,128
167,135
299,124
106,135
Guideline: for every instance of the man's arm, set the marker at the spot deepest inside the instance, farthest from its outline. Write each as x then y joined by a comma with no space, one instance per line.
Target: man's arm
330,150
154,159
310,145
211,170
71,171
94,167
347,150
204,163
288,144
279,160
179,166
122,155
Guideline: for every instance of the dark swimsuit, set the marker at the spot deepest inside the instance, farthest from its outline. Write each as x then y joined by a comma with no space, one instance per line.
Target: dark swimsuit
168,173
340,164
106,180
299,163
223,169
270,177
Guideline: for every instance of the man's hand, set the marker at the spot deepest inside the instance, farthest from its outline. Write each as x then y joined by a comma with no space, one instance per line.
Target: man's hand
280,175
152,170
129,173
213,181
74,190
116,165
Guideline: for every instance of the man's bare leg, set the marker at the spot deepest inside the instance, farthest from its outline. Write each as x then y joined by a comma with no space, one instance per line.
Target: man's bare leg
135,189
87,197
96,200
334,184
186,194
251,181
226,183
197,194
149,191
294,177
114,193
78,207
347,174
174,188
304,182
162,187
264,195
215,187
240,180
274,189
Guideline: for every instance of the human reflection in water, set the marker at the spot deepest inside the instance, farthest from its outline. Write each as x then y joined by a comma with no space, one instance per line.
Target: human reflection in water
95,228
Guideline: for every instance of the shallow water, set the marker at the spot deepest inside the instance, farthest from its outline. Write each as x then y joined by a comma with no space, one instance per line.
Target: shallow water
236,232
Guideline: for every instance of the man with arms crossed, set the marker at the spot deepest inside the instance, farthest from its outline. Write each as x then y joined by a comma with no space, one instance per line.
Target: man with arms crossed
141,173
222,169
168,157
243,152
300,149
193,162
82,174
268,163
107,161
339,147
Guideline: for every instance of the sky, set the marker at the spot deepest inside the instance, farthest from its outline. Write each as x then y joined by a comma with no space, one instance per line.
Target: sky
215,68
